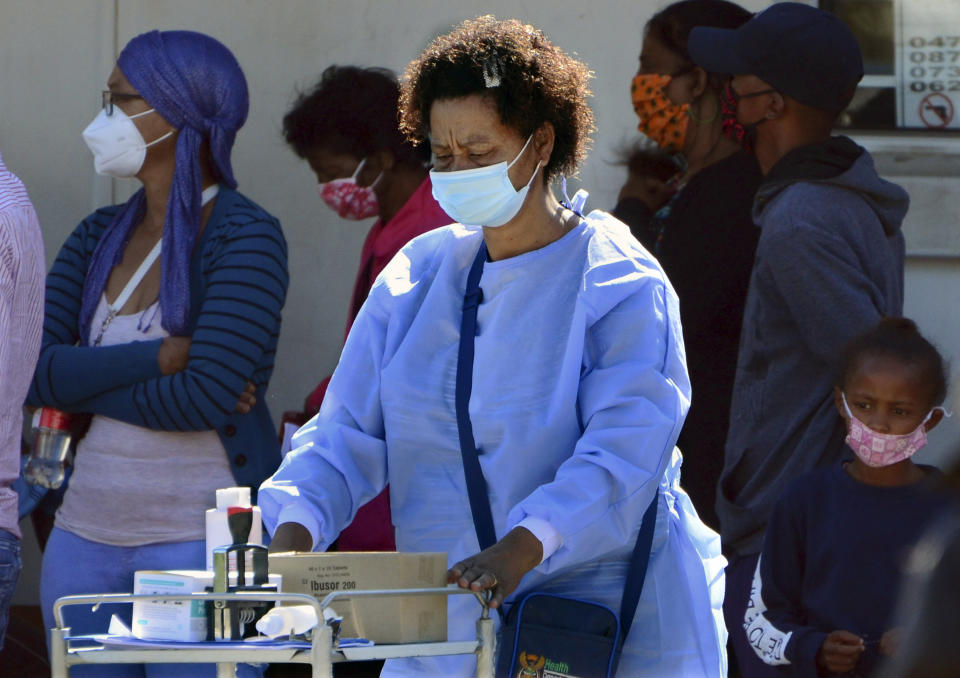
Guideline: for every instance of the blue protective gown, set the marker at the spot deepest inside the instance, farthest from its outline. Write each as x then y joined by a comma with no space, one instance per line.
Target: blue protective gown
579,392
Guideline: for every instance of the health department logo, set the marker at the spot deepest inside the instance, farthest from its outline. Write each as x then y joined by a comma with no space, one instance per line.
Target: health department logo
531,665
537,666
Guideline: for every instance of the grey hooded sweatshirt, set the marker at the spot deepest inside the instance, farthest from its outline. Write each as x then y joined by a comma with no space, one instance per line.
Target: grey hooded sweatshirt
829,265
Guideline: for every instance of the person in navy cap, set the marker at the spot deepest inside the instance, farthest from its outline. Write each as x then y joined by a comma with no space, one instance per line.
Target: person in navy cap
829,265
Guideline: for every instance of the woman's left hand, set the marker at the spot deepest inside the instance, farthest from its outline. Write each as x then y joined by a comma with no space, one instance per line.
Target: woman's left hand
500,567
173,355
247,399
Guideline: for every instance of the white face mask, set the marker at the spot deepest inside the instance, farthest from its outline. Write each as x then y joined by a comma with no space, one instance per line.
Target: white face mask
118,147
484,196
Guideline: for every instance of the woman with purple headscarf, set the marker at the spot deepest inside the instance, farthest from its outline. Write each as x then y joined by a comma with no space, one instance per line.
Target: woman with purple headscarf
162,321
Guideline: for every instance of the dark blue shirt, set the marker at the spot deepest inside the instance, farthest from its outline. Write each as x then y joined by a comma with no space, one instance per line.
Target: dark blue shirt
832,560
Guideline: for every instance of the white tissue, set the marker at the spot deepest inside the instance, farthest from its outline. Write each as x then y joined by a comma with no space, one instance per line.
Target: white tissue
290,620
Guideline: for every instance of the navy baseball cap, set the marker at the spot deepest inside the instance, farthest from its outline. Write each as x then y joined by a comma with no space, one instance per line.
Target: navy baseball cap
803,52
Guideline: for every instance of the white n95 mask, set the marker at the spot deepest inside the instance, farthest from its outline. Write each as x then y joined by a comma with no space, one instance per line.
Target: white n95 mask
483,196
118,147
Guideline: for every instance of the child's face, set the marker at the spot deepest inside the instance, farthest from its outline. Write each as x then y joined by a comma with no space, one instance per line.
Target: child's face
888,396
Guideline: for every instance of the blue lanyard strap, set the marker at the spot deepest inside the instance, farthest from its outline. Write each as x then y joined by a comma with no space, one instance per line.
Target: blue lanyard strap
637,572
476,484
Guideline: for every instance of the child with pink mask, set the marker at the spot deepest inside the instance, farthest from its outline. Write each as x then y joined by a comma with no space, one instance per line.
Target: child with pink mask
828,577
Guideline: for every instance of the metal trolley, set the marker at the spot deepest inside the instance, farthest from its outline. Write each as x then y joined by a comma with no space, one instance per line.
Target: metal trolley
321,655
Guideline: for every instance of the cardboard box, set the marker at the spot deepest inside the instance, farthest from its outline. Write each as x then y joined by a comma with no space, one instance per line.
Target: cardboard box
174,620
386,620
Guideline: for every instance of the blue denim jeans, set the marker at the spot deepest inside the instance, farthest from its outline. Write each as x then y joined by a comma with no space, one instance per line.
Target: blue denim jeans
9,573
75,566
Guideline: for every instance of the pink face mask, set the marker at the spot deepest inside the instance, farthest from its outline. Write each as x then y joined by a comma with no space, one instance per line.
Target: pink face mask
883,449
348,199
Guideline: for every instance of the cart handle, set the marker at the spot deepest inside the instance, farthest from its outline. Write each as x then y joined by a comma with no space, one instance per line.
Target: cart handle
299,598
98,599
483,597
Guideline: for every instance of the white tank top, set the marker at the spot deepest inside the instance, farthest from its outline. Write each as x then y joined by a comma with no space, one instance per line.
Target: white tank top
133,485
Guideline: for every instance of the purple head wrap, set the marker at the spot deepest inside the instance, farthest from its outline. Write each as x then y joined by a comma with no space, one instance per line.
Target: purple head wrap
196,84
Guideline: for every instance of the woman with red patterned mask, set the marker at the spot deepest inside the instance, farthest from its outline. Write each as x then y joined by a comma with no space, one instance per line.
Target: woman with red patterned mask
346,128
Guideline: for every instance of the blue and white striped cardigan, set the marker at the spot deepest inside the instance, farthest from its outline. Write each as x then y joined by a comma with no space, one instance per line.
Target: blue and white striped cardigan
238,284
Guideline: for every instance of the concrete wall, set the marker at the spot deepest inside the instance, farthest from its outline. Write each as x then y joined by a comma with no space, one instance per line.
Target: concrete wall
923,165
55,57
932,299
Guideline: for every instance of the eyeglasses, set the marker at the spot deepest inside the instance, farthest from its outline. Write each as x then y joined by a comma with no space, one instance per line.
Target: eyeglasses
109,99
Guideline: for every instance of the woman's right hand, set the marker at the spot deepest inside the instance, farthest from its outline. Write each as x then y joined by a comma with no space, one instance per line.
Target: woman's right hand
173,355
291,537
500,567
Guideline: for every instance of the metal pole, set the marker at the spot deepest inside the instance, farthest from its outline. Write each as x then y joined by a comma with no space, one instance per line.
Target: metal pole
226,670
58,652
322,647
488,647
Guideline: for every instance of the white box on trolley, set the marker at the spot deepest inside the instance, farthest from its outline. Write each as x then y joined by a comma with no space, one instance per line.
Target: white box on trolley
184,620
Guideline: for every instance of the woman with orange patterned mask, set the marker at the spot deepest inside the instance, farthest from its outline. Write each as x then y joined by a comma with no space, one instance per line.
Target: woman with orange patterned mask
698,222
680,105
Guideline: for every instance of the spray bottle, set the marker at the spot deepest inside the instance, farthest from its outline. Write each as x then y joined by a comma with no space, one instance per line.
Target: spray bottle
218,525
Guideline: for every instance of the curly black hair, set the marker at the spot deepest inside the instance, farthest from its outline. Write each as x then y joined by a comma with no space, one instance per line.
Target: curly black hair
529,79
899,339
351,110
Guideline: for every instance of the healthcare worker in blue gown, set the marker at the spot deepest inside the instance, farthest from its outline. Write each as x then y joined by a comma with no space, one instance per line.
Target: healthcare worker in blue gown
579,381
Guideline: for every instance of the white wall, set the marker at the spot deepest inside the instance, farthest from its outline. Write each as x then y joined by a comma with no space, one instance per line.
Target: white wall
926,168
54,59
932,299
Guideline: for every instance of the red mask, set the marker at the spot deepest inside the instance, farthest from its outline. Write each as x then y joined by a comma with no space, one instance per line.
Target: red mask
728,112
348,199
